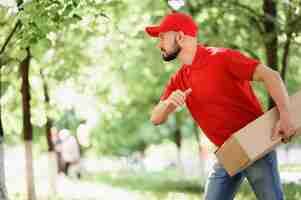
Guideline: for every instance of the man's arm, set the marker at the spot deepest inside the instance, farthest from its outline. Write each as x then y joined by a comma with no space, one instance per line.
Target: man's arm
162,110
276,88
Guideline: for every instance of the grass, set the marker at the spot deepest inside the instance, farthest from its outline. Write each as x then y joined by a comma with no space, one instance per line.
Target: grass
163,183
21,196
290,168
166,185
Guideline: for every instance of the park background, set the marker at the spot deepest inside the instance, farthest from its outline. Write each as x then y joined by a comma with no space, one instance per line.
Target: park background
89,64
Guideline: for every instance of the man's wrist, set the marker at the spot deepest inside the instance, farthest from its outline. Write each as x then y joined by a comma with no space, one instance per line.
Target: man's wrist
163,104
166,106
284,111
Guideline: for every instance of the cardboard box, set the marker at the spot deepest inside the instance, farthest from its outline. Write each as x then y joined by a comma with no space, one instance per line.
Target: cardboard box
254,140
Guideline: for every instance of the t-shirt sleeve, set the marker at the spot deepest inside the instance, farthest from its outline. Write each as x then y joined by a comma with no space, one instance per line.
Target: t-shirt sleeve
240,65
169,88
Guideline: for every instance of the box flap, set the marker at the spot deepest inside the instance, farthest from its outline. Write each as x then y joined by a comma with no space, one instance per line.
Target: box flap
254,140
256,136
232,156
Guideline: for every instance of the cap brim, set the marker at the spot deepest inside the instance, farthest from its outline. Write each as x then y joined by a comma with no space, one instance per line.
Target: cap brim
153,31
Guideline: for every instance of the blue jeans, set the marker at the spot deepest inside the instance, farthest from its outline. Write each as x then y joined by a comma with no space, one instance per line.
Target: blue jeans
263,176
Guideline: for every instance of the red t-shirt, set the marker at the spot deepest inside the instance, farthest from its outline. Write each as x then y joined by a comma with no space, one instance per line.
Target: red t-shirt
222,100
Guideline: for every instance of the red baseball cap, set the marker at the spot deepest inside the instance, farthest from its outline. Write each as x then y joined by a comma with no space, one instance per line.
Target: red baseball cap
175,21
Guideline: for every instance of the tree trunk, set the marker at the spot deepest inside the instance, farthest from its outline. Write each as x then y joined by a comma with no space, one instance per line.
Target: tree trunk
196,133
27,126
29,171
200,154
142,155
53,165
270,37
285,56
177,137
48,120
3,191
1,127
178,141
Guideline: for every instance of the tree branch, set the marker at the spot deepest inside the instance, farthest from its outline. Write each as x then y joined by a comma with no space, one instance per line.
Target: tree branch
10,36
251,13
246,8
195,9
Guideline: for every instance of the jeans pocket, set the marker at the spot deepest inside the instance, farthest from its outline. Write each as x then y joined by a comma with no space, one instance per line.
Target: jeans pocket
218,171
271,158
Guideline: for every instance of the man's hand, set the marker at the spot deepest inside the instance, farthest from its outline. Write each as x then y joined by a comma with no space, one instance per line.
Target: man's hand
284,128
178,98
276,88
164,108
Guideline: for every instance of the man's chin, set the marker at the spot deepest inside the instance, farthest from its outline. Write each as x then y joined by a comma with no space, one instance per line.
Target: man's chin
170,57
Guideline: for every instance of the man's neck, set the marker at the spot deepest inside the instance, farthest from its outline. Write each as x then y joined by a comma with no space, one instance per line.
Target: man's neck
186,56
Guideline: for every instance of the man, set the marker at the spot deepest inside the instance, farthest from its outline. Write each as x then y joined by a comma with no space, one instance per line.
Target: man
70,152
55,137
214,83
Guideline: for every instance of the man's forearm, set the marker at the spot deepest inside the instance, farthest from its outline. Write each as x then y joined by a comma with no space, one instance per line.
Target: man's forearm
278,92
161,111
284,128
164,108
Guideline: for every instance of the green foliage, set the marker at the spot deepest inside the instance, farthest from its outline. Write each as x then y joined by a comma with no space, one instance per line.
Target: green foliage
98,49
68,120
50,29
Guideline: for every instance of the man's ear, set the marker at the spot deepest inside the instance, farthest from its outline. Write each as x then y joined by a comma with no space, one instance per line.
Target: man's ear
180,37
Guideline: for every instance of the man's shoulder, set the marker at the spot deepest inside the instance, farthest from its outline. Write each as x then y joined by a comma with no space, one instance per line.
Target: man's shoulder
179,72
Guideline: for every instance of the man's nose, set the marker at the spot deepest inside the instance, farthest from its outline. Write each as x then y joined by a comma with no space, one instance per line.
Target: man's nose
159,45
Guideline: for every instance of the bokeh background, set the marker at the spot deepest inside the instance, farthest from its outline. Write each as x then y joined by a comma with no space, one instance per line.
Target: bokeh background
81,76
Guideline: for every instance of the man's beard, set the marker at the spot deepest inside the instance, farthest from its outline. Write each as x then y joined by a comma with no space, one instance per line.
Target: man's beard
171,56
